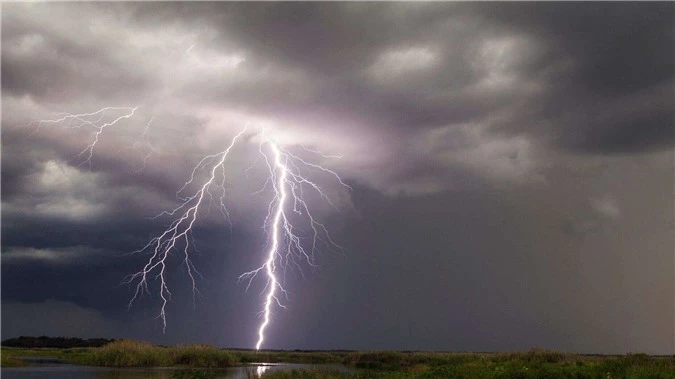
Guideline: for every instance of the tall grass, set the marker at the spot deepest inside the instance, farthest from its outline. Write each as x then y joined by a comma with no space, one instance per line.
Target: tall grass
202,356
126,353
534,364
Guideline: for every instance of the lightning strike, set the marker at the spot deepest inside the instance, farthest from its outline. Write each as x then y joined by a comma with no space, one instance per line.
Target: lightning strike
286,170
287,212
280,189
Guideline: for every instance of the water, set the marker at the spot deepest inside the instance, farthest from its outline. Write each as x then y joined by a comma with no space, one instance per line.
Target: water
66,371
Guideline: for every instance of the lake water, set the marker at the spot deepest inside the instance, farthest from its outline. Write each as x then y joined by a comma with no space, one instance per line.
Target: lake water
65,371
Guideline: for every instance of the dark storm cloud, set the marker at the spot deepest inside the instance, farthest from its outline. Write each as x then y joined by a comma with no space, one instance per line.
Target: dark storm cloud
615,51
584,56
611,43
64,69
508,161
335,48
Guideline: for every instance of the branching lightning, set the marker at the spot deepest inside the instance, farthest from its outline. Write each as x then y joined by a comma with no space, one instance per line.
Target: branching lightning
285,211
95,121
179,232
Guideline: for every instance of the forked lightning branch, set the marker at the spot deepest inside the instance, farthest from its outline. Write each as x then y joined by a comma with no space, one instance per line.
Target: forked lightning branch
288,217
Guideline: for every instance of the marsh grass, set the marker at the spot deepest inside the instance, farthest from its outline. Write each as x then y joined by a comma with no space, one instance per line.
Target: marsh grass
195,359
126,353
534,364
610,368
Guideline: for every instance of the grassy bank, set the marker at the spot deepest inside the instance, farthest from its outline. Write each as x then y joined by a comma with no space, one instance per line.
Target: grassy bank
10,361
138,354
530,365
124,353
375,365
10,355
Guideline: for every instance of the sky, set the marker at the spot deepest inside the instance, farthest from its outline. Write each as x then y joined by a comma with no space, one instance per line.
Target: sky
510,165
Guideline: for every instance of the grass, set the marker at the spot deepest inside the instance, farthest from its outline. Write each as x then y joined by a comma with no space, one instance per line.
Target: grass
196,359
11,361
9,356
534,364
126,353
546,365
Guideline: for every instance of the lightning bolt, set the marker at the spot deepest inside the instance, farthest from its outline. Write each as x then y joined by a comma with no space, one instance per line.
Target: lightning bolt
95,121
280,195
284,173
286,211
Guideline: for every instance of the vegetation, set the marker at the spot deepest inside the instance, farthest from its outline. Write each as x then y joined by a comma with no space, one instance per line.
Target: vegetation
10,361
194,362
11,356
125,353
530,365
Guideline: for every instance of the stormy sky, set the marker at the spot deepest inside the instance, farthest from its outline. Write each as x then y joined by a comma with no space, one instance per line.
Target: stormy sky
511,167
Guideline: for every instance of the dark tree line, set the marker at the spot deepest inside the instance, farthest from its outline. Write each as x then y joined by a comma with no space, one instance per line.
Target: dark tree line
58,342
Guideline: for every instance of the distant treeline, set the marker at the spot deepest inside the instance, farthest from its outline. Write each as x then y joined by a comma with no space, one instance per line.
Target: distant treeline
58,342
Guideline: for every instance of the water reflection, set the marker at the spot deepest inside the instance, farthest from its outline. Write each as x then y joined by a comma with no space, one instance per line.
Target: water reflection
261,369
